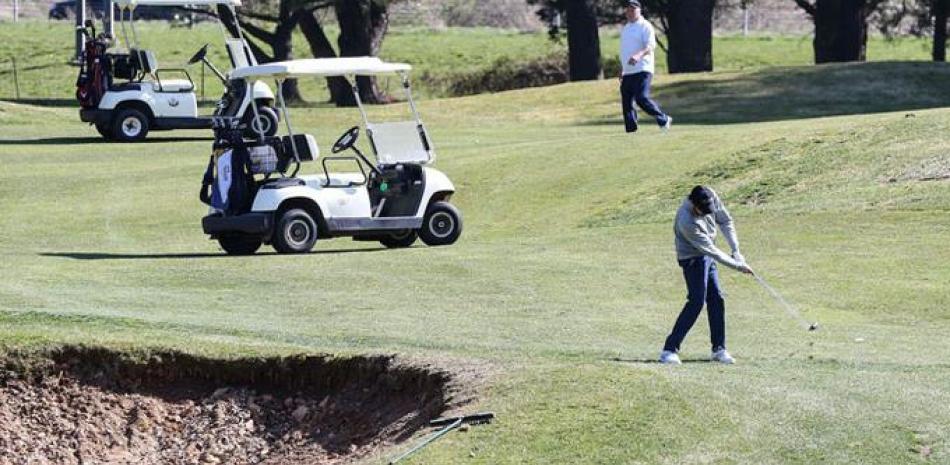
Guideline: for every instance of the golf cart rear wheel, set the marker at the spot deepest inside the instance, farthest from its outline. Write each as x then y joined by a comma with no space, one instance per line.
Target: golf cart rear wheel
442,224
399,239
239,245
296,232
266,121
129,125
105,131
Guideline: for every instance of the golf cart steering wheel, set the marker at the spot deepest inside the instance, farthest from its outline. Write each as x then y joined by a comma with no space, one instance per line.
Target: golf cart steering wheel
199,55
346,140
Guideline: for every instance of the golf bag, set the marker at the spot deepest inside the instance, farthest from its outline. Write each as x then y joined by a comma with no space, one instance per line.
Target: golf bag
94,77
229,175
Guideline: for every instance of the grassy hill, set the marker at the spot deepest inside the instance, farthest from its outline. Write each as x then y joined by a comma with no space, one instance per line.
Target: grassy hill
837,176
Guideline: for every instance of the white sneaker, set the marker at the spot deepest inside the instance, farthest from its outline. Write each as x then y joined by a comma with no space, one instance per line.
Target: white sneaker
722,356
668,125
669,358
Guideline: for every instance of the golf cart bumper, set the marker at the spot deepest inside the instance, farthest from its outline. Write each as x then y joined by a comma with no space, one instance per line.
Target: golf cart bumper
248,223
95,116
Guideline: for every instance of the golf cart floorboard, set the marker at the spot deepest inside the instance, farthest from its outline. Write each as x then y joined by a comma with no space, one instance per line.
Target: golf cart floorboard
373,224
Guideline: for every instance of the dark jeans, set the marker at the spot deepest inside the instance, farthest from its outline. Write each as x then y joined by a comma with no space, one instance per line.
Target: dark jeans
702,285
636,88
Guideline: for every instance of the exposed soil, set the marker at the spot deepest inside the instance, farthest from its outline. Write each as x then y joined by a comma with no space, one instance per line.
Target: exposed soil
94,406
932,169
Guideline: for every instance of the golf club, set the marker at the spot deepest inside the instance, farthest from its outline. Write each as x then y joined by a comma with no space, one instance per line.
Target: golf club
794,313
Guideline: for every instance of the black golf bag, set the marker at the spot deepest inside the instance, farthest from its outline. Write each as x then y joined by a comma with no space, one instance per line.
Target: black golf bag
228,185
94,70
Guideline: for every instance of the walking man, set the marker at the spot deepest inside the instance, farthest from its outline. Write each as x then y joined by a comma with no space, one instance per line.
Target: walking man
695,233
637,41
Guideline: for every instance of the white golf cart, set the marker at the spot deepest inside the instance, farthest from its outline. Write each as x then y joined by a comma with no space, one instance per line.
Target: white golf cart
125,95
395,200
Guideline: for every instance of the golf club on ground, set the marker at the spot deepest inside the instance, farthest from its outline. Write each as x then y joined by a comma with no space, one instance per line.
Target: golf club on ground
788,307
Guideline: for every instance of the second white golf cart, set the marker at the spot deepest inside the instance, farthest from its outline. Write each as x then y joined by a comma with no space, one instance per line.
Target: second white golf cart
126,94
257,198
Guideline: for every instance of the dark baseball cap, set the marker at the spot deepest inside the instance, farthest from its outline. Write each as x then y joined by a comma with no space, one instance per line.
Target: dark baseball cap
702,198
633,3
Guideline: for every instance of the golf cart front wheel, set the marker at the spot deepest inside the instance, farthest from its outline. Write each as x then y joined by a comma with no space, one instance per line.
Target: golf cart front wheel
265,122
399,239
442,224
296,232
239,245
129,125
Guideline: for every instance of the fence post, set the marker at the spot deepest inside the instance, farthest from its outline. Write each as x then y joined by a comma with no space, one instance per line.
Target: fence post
16,79
16,10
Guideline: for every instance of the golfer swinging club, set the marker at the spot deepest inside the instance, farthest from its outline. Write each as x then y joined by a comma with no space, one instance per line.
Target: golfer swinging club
637,41
695,232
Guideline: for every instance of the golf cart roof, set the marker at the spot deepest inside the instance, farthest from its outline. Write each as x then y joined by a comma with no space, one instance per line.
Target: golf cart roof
360,66
135,3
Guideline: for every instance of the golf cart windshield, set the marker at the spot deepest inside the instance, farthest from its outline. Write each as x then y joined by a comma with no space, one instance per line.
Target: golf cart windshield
392,141
237,48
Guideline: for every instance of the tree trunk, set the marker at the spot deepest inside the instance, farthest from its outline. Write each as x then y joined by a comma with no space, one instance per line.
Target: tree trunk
356,39
841,30
941,9
230,23
284,48
341,92
583,41
689,36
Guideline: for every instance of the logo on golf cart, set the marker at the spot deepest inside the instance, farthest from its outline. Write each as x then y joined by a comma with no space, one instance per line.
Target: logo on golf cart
173,102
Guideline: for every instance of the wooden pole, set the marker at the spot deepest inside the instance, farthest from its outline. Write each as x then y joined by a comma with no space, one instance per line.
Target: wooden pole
16,79
16,10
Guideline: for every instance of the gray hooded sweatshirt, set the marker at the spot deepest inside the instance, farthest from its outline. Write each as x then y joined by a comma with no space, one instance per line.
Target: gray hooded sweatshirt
696,234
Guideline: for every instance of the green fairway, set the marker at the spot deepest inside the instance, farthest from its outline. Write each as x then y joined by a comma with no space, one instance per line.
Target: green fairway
565,279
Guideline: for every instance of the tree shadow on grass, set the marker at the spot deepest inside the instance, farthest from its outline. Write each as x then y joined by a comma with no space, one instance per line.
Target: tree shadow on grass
163,256
96,140
45,102
778,94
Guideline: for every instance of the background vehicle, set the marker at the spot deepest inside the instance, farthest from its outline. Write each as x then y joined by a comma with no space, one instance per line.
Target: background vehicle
394,200
127,94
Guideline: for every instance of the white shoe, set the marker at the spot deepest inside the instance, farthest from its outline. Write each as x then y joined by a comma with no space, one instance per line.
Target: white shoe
668,125
722,356
669,358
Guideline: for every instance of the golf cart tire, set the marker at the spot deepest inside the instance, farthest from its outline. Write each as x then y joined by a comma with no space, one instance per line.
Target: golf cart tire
104,130
441,225
399,239
265,113
239,244
135,117
296,232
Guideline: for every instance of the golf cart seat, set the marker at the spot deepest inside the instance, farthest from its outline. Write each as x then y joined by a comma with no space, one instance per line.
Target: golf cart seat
400,142
144,60
173,85
306,145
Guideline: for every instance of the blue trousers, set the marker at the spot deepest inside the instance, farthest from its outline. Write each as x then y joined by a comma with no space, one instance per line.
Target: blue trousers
702,285
636,88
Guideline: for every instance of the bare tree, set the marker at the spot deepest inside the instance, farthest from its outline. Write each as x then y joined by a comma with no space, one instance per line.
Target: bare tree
841,28
941,9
